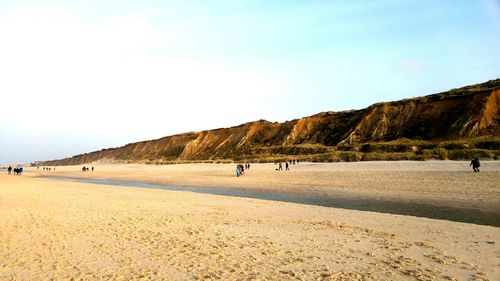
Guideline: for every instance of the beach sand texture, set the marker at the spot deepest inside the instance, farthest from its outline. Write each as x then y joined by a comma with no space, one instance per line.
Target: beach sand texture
62,230
444,183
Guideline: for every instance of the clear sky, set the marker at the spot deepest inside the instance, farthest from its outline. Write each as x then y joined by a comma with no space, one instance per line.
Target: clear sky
78,76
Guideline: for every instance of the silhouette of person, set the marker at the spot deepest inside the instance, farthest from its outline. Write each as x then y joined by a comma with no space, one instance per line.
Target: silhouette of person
92,168
475,164
9,169
280,168
286,166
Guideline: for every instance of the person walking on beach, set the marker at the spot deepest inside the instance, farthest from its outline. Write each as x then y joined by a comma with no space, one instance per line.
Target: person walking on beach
19,170
475,164
237,170
92,168
9,169
280,168
286,167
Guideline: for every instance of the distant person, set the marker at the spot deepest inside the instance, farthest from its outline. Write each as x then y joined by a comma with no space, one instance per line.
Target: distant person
18,171
237,170
280,168
84,169
9,169
293,162
92,168
54,168
286,167
475,164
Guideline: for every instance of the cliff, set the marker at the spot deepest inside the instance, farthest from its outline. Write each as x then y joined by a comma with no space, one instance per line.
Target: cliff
423,123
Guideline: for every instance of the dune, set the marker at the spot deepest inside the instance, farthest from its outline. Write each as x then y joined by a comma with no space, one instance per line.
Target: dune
457,124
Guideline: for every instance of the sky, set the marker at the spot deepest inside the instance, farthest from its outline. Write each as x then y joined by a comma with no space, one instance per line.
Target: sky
79,76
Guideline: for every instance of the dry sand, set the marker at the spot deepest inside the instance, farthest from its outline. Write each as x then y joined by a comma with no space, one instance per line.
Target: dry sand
61,230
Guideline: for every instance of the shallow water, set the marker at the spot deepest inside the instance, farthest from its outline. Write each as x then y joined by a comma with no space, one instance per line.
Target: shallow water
468,215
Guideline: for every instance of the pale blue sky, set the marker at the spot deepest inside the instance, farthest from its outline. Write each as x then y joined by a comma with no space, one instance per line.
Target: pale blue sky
82,76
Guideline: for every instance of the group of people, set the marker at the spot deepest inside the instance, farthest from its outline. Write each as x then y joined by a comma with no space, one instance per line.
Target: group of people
85,169
240,169
287,165
15,171
46,168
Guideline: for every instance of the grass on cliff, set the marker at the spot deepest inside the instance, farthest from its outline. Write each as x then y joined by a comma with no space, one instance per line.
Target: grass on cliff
401,149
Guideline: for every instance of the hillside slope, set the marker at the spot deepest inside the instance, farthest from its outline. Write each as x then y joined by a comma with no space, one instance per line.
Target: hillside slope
424,123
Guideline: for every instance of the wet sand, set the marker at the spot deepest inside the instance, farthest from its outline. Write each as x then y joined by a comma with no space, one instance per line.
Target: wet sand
398,207
61,230
439,183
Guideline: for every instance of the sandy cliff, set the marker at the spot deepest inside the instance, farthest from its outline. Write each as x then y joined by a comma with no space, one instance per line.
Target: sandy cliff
472,111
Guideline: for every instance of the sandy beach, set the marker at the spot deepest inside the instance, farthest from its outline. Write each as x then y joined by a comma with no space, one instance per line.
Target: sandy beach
61,230
443,183
371,129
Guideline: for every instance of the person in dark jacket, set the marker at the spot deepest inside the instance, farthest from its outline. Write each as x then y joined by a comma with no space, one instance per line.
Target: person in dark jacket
475,164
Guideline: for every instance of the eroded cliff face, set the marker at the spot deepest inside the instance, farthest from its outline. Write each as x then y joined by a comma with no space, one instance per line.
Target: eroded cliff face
486,122
466,112
432,117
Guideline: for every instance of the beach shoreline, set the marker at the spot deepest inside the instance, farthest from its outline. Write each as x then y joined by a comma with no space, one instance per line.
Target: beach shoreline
438,183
